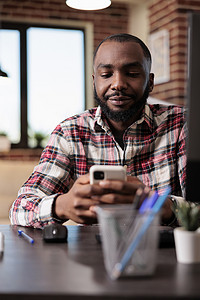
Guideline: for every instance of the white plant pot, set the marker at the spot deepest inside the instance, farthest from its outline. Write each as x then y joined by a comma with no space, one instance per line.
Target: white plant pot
4,144
187,244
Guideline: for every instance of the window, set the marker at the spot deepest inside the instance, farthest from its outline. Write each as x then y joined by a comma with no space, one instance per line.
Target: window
46,79
10,88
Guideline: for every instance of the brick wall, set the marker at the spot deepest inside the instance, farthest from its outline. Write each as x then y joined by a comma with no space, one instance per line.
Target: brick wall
106,22
172,15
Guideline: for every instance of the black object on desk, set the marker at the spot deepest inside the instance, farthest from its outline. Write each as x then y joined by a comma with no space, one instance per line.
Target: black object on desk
55,233
166,237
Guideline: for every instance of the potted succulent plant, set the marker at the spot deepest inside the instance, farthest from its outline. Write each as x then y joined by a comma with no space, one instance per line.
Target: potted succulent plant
187,236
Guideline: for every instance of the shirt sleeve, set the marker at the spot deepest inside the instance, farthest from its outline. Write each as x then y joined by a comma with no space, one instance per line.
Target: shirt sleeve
51,177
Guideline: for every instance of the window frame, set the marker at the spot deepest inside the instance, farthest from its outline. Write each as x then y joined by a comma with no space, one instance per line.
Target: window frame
22,26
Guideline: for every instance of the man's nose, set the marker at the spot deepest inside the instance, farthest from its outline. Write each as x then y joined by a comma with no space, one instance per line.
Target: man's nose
118,82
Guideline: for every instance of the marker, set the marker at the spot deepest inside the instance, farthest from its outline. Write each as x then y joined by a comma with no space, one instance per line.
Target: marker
1,244
26,236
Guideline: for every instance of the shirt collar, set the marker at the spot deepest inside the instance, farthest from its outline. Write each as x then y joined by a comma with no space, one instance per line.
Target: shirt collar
146,118
99,121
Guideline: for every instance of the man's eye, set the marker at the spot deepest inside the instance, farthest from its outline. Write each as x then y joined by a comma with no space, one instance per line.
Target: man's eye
133,74
106,75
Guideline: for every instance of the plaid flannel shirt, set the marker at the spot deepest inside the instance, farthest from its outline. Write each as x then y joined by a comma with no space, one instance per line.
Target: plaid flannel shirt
154,151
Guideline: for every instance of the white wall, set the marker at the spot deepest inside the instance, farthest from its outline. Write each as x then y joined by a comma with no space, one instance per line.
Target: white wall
138,20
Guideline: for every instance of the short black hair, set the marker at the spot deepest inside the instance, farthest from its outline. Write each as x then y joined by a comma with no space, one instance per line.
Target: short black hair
125,37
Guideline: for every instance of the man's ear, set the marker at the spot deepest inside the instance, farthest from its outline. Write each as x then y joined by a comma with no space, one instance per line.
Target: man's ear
93,79
151,82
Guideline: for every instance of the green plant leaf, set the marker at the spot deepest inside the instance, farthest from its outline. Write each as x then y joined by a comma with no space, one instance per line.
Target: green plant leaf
187,214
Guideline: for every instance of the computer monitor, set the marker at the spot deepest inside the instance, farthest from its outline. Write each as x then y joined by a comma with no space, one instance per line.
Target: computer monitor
193,115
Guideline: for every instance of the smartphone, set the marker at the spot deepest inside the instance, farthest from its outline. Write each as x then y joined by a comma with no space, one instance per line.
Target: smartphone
101,172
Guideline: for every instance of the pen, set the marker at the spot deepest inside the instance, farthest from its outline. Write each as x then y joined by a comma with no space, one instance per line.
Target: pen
1,243
148,203
26,236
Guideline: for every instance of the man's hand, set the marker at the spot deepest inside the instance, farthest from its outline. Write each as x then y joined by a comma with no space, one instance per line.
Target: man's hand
167,212
75,204
117,191
78,204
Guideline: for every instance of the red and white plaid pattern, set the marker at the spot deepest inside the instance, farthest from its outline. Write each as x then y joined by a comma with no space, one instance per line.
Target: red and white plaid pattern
154,151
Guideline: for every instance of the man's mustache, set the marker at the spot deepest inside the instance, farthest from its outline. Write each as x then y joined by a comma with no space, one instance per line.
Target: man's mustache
121,94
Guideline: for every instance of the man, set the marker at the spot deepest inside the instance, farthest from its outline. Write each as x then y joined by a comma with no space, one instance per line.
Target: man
123,130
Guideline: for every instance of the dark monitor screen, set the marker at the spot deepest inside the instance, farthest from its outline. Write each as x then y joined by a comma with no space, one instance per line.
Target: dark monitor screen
193,115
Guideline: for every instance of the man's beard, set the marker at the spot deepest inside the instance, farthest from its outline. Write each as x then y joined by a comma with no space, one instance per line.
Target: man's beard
124,115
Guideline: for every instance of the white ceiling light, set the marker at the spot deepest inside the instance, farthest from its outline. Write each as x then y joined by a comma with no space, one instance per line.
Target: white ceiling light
88,4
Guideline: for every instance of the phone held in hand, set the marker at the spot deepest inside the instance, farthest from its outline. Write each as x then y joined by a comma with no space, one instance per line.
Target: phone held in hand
103,172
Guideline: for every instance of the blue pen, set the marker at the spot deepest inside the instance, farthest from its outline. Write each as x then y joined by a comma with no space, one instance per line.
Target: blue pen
148,203
26,236
119,267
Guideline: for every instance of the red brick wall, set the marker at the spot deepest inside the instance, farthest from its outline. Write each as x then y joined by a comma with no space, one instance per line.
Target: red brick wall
172,15
108,21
